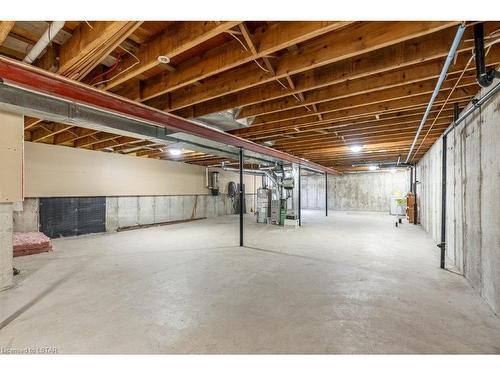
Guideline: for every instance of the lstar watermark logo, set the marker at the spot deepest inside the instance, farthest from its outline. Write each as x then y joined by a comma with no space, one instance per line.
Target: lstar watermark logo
29,350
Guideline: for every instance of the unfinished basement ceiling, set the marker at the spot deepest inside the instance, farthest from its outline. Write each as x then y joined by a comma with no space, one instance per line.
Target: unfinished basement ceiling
312,89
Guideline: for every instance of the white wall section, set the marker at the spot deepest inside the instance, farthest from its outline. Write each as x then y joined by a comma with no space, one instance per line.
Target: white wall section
59,171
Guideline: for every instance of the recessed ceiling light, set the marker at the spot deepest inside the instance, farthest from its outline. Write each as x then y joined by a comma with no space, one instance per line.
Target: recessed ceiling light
373,167
356,148
175,151
163,59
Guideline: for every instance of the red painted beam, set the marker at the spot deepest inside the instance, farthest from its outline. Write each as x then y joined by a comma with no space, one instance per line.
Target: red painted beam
38,80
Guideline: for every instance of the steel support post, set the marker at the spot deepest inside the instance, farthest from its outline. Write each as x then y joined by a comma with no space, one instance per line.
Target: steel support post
241,197
326,194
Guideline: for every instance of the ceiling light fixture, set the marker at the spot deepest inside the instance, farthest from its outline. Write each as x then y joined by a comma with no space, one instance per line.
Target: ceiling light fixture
163,59
356,148
373,167
175,151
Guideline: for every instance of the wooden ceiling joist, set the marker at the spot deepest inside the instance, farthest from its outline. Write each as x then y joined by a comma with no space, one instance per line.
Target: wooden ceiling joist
73,134
344,44
311,89
425,73
421,89
231,55
5,28
90,44
396,105
176,39
337,128
47,131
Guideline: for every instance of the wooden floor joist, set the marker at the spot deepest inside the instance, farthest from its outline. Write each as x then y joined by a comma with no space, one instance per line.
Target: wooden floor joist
310,88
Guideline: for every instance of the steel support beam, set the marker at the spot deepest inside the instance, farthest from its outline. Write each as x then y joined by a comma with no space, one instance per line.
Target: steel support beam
71,98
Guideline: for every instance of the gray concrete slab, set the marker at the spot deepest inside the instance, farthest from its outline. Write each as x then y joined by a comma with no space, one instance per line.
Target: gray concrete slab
349,283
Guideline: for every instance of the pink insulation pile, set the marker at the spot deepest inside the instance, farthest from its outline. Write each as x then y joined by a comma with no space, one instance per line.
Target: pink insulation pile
31,243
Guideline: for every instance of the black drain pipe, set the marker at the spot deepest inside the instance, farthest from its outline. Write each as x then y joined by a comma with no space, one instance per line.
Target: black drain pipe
484,77
415,215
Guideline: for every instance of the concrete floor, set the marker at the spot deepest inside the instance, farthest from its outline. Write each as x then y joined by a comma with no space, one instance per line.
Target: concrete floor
349,283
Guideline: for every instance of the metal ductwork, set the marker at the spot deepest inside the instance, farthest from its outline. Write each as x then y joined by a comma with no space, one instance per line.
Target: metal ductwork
254,172
34,92
383,165
225,120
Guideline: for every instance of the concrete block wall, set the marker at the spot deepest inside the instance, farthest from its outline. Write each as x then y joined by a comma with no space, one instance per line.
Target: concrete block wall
353,191
473,199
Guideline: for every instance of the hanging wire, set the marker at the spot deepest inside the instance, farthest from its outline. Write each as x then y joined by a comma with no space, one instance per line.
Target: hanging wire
246,49
137,61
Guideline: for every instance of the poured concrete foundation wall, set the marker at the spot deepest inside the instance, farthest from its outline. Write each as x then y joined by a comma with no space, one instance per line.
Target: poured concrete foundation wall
473,199
144,210
133,211
353,191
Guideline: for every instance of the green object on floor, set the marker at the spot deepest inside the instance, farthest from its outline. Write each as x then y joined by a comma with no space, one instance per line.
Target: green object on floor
282,216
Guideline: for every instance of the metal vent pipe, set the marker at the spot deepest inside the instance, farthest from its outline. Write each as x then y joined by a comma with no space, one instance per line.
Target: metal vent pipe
442,76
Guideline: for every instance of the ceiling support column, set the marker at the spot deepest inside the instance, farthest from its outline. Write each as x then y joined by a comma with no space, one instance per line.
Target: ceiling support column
242,197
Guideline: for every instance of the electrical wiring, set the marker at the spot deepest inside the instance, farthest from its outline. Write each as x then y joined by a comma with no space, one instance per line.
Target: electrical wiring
294,95
267,71
138,61
115,65
246,49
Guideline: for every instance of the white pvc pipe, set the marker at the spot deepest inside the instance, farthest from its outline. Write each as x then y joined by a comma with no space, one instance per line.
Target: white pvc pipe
44,41
442,76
